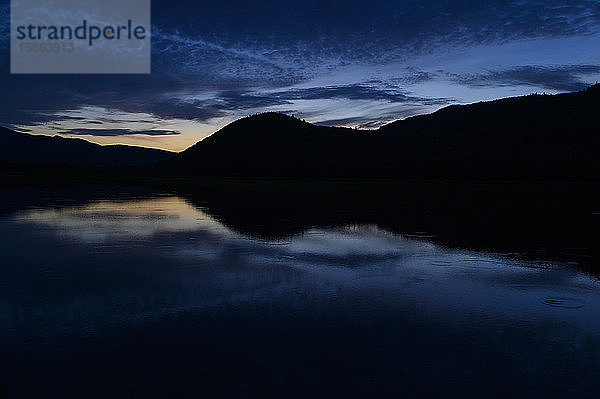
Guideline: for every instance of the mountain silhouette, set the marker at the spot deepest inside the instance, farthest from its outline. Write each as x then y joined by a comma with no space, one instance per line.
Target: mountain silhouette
534,137
271,144
530,137
22,150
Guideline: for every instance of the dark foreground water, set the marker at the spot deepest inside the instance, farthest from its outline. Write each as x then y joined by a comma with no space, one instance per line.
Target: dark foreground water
153,295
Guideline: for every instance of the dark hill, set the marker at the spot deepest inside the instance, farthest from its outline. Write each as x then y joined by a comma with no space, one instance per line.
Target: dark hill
31,150
531,137
536,136
272,144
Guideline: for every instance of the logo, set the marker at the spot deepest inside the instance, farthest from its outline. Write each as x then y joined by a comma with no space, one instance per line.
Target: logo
86,36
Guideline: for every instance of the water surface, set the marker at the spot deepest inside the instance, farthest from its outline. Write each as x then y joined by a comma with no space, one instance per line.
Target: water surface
153,295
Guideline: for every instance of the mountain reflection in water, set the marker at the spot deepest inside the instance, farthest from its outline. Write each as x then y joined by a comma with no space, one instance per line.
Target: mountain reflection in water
157,295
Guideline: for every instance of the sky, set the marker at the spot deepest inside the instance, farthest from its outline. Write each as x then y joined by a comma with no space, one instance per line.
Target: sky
339,63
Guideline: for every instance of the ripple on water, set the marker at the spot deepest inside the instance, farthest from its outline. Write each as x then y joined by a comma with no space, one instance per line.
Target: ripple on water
420,235
564,302
441,263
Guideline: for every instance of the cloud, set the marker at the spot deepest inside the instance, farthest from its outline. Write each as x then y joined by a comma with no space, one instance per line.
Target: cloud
361,123
119,132
22,130
267,32
358,91
213,59
373,119
560,78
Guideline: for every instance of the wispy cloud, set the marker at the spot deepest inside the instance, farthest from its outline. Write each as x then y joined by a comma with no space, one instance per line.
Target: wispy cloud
561,78
364,92
118,132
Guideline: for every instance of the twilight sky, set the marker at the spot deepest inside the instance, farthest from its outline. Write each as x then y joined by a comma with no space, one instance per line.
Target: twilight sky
346,63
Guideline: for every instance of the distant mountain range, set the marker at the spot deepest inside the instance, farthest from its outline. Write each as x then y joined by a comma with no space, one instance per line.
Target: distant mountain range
32,152
532,137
